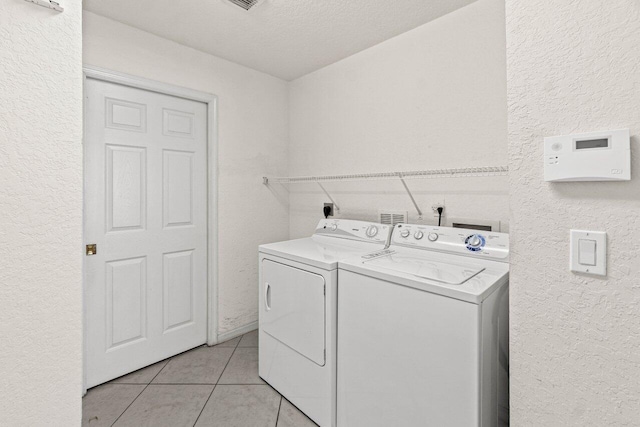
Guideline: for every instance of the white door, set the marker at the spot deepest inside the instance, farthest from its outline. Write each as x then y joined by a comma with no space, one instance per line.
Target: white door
146,211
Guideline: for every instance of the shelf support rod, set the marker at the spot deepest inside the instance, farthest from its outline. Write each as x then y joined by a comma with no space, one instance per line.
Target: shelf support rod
335,205
406,187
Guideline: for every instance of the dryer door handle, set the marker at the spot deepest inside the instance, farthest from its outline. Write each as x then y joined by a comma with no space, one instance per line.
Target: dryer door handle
267,296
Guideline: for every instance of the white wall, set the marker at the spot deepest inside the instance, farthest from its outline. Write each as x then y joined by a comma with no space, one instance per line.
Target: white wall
574,66
434,97
253,137
40,215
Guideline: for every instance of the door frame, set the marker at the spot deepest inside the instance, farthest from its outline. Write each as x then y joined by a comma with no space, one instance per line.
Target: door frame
96,73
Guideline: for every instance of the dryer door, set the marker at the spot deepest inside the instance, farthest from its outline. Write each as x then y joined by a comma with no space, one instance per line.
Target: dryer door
294,308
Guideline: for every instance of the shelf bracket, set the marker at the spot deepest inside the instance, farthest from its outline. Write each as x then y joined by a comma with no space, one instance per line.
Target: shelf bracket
335,205
406,187
49,4
265,181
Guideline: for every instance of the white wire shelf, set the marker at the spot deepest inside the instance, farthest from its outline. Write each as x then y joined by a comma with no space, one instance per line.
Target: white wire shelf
401,176
433,173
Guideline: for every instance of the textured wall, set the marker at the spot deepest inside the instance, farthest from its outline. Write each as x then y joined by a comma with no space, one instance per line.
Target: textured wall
573,66
253,137
434,97
40,214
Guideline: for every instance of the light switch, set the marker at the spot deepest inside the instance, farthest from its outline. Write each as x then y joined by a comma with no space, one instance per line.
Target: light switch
589,252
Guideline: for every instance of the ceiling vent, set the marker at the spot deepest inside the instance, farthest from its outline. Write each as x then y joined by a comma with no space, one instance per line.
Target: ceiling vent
245,4
393,217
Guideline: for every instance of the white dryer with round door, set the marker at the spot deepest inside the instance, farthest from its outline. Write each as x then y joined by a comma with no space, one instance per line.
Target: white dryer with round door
423,331
297,332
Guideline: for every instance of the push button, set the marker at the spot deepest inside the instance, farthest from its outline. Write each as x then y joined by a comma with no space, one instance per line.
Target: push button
587,252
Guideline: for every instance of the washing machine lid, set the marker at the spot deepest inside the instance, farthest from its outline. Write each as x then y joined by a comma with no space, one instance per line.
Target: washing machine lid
454,276
438,271
319,251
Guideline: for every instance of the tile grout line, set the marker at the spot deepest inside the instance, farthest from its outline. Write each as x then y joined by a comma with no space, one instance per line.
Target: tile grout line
139,394
191,384
205,404
216,384
279,409
227,364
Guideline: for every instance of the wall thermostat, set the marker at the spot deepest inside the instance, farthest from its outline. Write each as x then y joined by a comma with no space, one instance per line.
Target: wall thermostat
594,156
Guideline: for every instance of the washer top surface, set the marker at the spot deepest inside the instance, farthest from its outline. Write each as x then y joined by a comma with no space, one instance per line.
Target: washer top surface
333,241
439,271
440,260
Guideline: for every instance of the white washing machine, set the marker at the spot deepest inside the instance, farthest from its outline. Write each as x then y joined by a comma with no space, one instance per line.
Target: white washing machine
297,333
423,331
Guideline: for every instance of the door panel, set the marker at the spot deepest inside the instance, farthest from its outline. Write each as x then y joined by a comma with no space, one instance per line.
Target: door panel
126,115
146,209
126,183
126,308
178,187
177,123
294,309
178,289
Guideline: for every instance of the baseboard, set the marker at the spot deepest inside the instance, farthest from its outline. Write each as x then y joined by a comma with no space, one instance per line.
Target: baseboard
226,336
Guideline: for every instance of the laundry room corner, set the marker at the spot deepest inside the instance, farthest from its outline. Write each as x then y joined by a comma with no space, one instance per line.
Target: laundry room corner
430,98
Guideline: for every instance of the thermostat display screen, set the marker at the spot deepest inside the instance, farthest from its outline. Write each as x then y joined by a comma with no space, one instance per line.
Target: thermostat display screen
592,143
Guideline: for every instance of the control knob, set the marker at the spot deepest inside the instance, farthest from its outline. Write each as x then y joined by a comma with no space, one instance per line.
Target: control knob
405,233
432,237
334,227
372,230
418,235
474,241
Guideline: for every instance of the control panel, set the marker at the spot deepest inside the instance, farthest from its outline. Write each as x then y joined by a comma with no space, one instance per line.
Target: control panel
595,156
481,244
354,230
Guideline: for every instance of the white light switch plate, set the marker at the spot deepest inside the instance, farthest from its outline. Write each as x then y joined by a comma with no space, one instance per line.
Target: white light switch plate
586,262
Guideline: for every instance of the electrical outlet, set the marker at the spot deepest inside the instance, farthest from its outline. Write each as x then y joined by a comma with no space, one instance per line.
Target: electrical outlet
435,209
330,206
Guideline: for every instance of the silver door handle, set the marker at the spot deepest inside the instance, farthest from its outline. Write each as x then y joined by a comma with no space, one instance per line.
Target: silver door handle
267,296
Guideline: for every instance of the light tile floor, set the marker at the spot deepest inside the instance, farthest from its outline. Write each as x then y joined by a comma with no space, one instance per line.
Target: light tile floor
206,386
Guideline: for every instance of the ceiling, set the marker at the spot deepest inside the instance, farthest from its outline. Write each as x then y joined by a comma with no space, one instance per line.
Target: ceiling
284,38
